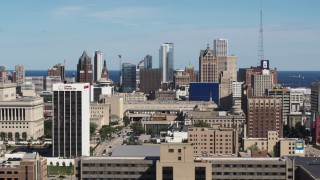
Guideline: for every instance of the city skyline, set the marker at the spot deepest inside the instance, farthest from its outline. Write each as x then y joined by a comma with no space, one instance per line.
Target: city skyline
51,32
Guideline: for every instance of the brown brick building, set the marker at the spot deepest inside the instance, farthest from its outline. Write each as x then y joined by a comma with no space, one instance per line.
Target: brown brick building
84,69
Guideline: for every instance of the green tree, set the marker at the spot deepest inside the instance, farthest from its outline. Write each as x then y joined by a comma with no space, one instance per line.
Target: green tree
17,135
10,136
24,136
126,121
201,123
3,135
253,147
93,128
48,128
137,128
106,132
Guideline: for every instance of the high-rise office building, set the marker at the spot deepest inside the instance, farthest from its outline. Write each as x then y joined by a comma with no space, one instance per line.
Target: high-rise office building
208,66
148,62
166,62
20,74
84,68
104,73
128,77
193,75
57,70
150,80
71,120
220,47
97,66
315,97
263,114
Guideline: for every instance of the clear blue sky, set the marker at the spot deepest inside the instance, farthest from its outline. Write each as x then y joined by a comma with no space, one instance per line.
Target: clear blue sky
39,34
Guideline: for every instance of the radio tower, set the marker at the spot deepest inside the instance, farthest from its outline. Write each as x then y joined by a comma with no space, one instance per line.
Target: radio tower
260,47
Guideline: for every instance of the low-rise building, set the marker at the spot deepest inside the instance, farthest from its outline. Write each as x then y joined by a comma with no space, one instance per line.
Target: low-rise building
99,114
23,166
275,146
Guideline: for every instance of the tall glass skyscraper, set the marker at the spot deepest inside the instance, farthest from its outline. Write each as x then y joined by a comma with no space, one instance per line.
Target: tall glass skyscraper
166,63
128,77
148,62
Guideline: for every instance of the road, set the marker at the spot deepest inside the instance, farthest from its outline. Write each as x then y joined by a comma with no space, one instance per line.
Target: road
117,141
311,151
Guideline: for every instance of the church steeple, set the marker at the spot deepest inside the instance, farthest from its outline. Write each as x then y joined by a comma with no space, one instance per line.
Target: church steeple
105,73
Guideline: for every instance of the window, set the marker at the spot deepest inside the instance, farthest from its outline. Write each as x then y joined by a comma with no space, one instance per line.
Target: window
171,150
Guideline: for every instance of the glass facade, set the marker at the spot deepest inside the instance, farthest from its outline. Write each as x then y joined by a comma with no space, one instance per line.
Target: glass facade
128,77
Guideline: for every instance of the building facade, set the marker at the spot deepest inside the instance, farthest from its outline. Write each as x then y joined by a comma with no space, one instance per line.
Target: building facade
20,116
71,120
100,114
84,69
181,79
166,62
315,97
204,92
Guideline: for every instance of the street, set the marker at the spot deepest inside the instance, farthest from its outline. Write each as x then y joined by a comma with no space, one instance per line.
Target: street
311,151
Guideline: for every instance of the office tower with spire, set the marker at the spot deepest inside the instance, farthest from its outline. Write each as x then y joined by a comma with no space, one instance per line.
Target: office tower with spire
104,73
57,70
166,62
148,62
84,69
97,65
220,47
19,74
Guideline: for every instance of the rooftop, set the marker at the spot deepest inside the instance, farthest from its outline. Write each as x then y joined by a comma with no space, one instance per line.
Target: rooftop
309,164
136,151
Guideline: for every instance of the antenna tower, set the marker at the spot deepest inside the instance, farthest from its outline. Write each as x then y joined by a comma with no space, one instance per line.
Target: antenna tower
260,48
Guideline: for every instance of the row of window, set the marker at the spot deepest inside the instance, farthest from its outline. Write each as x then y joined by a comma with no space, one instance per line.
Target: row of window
115,165
250,173
248,165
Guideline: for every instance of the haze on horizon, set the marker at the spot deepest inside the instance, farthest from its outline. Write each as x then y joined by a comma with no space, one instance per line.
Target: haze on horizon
40,34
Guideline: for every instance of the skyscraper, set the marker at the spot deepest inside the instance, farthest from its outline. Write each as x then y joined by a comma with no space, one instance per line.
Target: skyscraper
148,62
84,68
20,74
97,66
220,47
208,66
71,120
128,77
150,80
315,97
57,70
166,62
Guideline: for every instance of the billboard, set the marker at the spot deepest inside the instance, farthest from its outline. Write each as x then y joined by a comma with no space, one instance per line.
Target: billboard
265,64
299,147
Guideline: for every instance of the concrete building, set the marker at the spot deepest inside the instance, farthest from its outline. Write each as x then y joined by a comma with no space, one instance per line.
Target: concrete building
3,74
50,80
100,114
57,70
133,97
165,95
23,166
236,93
97,65
20,74
263,114
299,99
84,69
150,80
22,115
128,73
97,91
117,107
166,62
214,141
71,120
220,47
181,79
